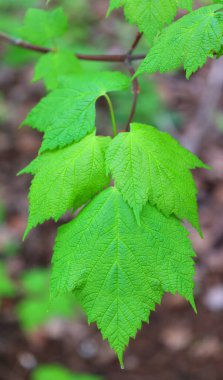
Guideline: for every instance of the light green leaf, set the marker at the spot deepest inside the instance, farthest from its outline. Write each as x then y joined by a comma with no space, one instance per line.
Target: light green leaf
42,27
186,4
34,312
119,270
188,42
68,113
150,16
51,66
37,308
56,372
51,372
35,281
7,287
66,179
148,165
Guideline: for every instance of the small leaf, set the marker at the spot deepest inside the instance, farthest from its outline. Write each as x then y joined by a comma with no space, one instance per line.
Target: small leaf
42,27
148,165
7,287
68,113
34,312
51,372
51,66
128,267
189,42
56,372
65,179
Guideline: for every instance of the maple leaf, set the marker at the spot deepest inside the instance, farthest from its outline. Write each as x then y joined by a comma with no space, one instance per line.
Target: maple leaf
50,67
67,114
148,165
41,27
189,42
150,16
118,270
66,179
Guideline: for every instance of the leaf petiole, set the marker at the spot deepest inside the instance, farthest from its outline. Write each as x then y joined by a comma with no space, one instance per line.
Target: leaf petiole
114,127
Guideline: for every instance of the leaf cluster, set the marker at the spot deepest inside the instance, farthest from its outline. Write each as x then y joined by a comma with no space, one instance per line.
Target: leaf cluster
130,194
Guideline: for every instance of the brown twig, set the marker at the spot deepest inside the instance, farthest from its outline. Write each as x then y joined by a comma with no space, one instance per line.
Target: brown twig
135,43
87,57
135,83
135,91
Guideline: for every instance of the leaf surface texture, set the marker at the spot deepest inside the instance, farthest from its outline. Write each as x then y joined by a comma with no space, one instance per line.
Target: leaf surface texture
188,42
52,66
148,165
67,114
150,16
66,179
119,270
41,27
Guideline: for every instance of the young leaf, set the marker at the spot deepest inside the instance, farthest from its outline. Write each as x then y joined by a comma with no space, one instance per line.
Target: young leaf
148,165
65,179
41,27
68,113
150,16
51,66
188,42
119,270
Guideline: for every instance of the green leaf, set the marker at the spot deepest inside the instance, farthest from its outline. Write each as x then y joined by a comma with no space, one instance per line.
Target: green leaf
186,4
66,179
150,16
7,287
51,372
56,372
188,42
68,113
35,281
36,308
148,165
115,4
118,270
51,66
42,27
34,312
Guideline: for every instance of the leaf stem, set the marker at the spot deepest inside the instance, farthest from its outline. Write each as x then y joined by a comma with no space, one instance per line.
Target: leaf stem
114,127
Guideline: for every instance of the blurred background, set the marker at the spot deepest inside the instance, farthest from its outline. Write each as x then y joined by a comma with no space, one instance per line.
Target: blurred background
38,342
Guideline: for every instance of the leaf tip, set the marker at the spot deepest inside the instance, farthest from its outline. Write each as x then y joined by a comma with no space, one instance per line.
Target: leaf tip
120,359
27,231
136,74
193,305
22,124
20,173
137,216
